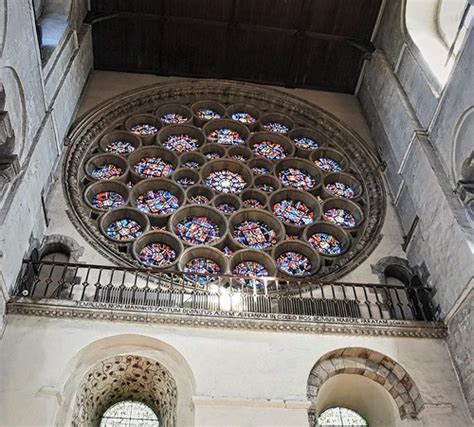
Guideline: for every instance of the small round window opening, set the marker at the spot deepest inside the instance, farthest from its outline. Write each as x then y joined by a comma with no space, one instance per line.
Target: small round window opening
341,417
129,413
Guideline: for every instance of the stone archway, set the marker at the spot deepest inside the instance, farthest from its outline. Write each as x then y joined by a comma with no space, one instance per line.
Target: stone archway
126,377
61,243
370,364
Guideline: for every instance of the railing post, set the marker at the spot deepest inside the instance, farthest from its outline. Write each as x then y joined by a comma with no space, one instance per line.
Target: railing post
252,294
25,279
389,302
422,304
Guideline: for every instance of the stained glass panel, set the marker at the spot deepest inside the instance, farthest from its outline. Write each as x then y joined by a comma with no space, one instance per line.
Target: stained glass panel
341,417
129,414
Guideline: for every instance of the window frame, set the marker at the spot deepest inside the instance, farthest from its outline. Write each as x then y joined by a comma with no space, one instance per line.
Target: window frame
428,42
156,422
333,408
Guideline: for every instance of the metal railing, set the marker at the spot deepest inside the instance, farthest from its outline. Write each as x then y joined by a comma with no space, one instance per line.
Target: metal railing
143,289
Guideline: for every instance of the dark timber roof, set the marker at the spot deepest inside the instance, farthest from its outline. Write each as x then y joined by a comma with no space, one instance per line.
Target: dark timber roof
318,44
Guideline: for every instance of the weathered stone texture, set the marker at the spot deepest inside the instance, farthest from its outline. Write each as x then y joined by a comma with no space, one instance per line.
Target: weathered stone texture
40,110
415,129
457,99
406,209
441,244
461,343
391,105
421,95
442,241
390,40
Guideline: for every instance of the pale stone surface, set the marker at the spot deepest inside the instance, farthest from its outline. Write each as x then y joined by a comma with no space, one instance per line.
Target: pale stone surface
39,122
421,95
423,167
457,99
39,127
361,395
261,369
392,24
234,378
461,342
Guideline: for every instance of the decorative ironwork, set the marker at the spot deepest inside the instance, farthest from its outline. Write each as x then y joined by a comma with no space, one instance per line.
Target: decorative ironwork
149,290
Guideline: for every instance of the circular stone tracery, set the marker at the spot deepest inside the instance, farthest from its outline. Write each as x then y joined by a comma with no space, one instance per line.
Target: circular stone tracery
225,181
360,227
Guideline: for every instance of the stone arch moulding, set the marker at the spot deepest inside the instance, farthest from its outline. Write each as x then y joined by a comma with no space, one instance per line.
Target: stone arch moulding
462,160
373,365
15,105
421,20
61,243
396,266
91,356
446,18
4,18
127,377
462,143
77,12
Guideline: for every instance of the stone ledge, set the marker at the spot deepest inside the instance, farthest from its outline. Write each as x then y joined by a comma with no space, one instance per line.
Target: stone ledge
188,317
250,403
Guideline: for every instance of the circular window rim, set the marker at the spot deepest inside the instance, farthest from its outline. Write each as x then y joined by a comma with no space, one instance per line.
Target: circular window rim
90,125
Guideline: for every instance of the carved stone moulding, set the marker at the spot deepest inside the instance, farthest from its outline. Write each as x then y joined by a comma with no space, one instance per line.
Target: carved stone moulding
266,322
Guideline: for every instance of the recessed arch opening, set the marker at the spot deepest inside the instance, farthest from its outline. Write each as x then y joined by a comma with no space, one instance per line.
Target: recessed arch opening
126,378
91,358
437,29
52,20
371,375
396,274
372,403
58,252
462,161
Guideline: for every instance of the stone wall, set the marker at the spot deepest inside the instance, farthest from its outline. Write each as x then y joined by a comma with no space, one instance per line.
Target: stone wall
415,124
240,378
225,377
39,102
461,342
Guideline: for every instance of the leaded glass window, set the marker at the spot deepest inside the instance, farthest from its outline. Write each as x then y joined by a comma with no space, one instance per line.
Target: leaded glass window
341,417
129,413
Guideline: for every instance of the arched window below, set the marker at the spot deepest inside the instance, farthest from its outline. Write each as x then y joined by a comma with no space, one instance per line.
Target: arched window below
341,417
129,413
